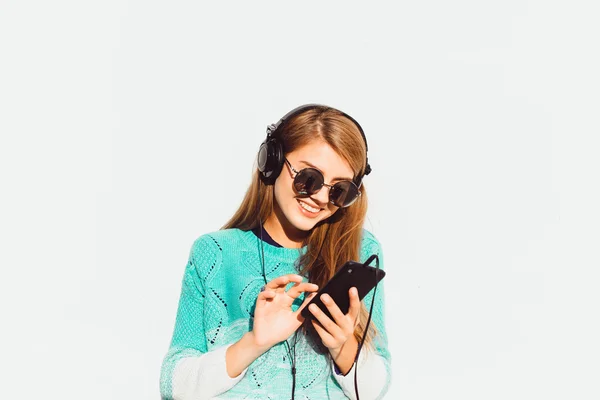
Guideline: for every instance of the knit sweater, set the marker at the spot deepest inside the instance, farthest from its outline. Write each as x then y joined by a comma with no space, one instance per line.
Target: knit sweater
221,282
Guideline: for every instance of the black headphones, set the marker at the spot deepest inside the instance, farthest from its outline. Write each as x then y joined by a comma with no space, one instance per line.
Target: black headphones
270,155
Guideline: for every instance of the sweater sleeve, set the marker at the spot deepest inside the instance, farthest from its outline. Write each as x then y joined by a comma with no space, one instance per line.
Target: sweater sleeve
373,367
189,370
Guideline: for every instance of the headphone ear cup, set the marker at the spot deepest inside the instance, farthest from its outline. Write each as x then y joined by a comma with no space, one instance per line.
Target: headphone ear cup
270,160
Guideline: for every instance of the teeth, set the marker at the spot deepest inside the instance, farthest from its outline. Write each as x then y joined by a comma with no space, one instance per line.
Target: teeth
308,208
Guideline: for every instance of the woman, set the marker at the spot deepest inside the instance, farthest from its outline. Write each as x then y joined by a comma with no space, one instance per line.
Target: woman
239,332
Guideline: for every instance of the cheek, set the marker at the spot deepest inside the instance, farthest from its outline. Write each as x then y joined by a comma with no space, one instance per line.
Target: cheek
284,193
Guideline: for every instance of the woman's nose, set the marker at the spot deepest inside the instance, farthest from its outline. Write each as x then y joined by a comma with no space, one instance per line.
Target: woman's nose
322,196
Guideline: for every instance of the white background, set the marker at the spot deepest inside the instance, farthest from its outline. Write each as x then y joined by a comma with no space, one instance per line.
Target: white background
129,128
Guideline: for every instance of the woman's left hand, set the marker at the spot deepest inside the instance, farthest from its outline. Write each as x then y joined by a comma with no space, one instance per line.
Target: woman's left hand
336,333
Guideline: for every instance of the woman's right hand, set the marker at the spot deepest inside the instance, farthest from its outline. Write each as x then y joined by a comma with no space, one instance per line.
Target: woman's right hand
274,320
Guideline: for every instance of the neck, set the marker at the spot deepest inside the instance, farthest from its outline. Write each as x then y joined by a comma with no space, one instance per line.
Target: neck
283,233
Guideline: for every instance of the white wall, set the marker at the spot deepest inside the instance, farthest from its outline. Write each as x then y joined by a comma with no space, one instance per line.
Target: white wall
130,128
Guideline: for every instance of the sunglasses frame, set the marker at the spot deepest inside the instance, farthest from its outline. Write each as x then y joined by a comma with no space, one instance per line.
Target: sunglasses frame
329,186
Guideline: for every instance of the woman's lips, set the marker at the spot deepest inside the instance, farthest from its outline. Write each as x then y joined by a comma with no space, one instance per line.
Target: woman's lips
306,212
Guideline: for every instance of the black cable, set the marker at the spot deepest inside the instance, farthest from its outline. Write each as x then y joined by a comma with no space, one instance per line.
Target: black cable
374,256
287,346
291,355
262,252
294,364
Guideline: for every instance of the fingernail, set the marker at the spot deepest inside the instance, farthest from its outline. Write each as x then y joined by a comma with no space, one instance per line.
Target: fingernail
354,292
325,298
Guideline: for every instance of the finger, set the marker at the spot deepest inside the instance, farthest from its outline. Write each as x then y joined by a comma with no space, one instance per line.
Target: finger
262,302
334,310
305,302
327,323
299,288
266,295
281,282
354,310
323,334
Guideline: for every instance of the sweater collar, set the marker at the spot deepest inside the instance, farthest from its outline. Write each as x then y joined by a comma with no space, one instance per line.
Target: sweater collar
260,230
270,250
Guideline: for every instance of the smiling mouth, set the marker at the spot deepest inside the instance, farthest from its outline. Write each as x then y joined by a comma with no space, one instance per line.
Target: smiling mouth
308,208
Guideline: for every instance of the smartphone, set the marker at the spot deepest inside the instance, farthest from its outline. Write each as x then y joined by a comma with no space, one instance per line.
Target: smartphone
352,274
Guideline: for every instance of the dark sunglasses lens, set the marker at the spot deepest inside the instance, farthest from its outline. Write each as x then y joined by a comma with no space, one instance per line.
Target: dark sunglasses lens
308,181
344,193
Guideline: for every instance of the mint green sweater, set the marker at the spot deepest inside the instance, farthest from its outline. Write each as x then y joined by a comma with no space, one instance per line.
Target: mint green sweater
222,279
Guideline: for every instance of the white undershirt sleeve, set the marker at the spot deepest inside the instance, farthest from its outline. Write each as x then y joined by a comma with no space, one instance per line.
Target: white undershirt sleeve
372,377
203,377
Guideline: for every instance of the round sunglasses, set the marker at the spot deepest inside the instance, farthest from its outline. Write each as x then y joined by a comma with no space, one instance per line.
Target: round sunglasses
309,181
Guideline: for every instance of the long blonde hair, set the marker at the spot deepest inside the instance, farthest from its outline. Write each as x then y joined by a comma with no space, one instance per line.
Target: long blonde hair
337,239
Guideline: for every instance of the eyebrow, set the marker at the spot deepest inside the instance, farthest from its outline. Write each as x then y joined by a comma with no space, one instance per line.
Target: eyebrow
345,178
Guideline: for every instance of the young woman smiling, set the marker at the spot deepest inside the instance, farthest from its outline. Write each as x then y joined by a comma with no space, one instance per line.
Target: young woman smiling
239,332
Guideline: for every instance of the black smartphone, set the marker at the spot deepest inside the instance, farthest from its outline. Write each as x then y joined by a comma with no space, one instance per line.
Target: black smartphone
362,277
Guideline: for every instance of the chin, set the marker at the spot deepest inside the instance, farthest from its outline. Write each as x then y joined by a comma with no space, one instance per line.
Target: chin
303,224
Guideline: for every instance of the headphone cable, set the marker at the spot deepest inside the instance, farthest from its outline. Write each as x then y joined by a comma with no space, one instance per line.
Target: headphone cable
287,346
374,256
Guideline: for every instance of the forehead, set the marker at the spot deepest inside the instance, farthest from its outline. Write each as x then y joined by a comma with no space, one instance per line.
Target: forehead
323,157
